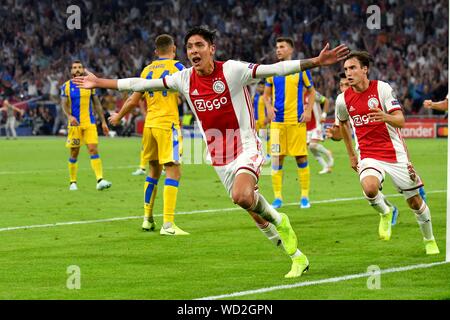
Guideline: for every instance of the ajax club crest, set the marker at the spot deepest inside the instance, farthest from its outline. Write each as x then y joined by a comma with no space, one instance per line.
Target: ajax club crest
373,103
218,86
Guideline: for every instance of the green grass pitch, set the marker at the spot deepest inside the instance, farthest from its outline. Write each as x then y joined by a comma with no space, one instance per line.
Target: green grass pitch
225,252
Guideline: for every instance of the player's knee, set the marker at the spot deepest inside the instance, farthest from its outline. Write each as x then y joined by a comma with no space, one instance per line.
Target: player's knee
370,191
244,199
415,202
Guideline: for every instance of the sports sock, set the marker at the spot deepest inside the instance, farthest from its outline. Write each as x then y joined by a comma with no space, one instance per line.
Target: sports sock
303,178
150,189
423,217
277,181
324,151
264,209
296,254
170,199
271,233
378,203
73,168
96,164
317,155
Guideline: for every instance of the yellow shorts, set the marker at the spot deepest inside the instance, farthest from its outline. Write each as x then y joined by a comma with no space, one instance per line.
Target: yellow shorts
260,125
164,145
288,139
80,135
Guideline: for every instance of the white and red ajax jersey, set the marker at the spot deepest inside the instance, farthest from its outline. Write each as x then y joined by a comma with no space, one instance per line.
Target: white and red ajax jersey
316,112
377,140
222,106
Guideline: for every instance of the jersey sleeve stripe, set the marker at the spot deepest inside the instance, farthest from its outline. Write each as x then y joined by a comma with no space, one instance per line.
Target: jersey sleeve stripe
165,83
394,109
254,70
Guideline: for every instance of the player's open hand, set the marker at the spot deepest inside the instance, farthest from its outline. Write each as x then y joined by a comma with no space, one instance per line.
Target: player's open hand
114,119
305,117
89,81
328,57
377,115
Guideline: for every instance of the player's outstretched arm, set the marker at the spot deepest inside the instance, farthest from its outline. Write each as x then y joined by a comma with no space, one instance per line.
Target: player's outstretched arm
283,68
90,81
439,105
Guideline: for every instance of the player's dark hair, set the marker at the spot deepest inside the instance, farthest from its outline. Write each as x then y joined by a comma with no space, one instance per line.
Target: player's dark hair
203,31
163,42
363,57
342,75
75,61
288,40
262,81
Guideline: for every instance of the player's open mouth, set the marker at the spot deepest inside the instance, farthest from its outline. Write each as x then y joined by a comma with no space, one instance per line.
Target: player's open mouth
196,60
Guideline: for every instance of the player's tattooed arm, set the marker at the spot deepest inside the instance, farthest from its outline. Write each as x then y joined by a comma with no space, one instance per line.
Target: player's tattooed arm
99,110
67,110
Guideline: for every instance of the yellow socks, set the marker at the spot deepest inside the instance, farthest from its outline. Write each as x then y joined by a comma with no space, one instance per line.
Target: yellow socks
277,181
150,188
96,164
73,168
170,199
304,178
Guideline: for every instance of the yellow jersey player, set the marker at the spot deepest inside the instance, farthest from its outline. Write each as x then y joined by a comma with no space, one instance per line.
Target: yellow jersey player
161,139
260,113
78,105
283,96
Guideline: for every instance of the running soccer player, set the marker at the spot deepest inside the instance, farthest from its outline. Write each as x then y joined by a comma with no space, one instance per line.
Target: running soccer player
217,94
284,101
376,117
161,139
314,137
77,105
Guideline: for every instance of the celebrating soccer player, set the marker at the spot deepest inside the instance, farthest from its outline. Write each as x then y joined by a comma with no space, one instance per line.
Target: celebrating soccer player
218,97
376,117
77,105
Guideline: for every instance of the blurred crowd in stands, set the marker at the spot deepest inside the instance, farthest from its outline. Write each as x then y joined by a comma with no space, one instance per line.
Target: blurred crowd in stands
116,40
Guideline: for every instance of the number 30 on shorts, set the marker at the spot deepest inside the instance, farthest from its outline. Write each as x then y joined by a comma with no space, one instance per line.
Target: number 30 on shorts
275,148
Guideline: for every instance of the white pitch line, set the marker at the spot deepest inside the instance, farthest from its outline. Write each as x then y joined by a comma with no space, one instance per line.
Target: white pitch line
323,281
61,169
58,224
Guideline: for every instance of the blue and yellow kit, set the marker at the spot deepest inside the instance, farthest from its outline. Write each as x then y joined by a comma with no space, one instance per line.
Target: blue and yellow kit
162,135
81,107
260,111
288,134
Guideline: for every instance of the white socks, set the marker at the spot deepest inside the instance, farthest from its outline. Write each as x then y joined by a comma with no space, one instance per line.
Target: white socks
265,210
378,203
423,218
271,233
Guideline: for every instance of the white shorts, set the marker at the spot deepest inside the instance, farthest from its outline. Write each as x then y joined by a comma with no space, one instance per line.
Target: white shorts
315,133
403,175
247,162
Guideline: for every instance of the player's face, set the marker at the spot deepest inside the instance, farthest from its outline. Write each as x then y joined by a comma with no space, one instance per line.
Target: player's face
344,84
260,88
284,51
200,52
77,70
354,72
